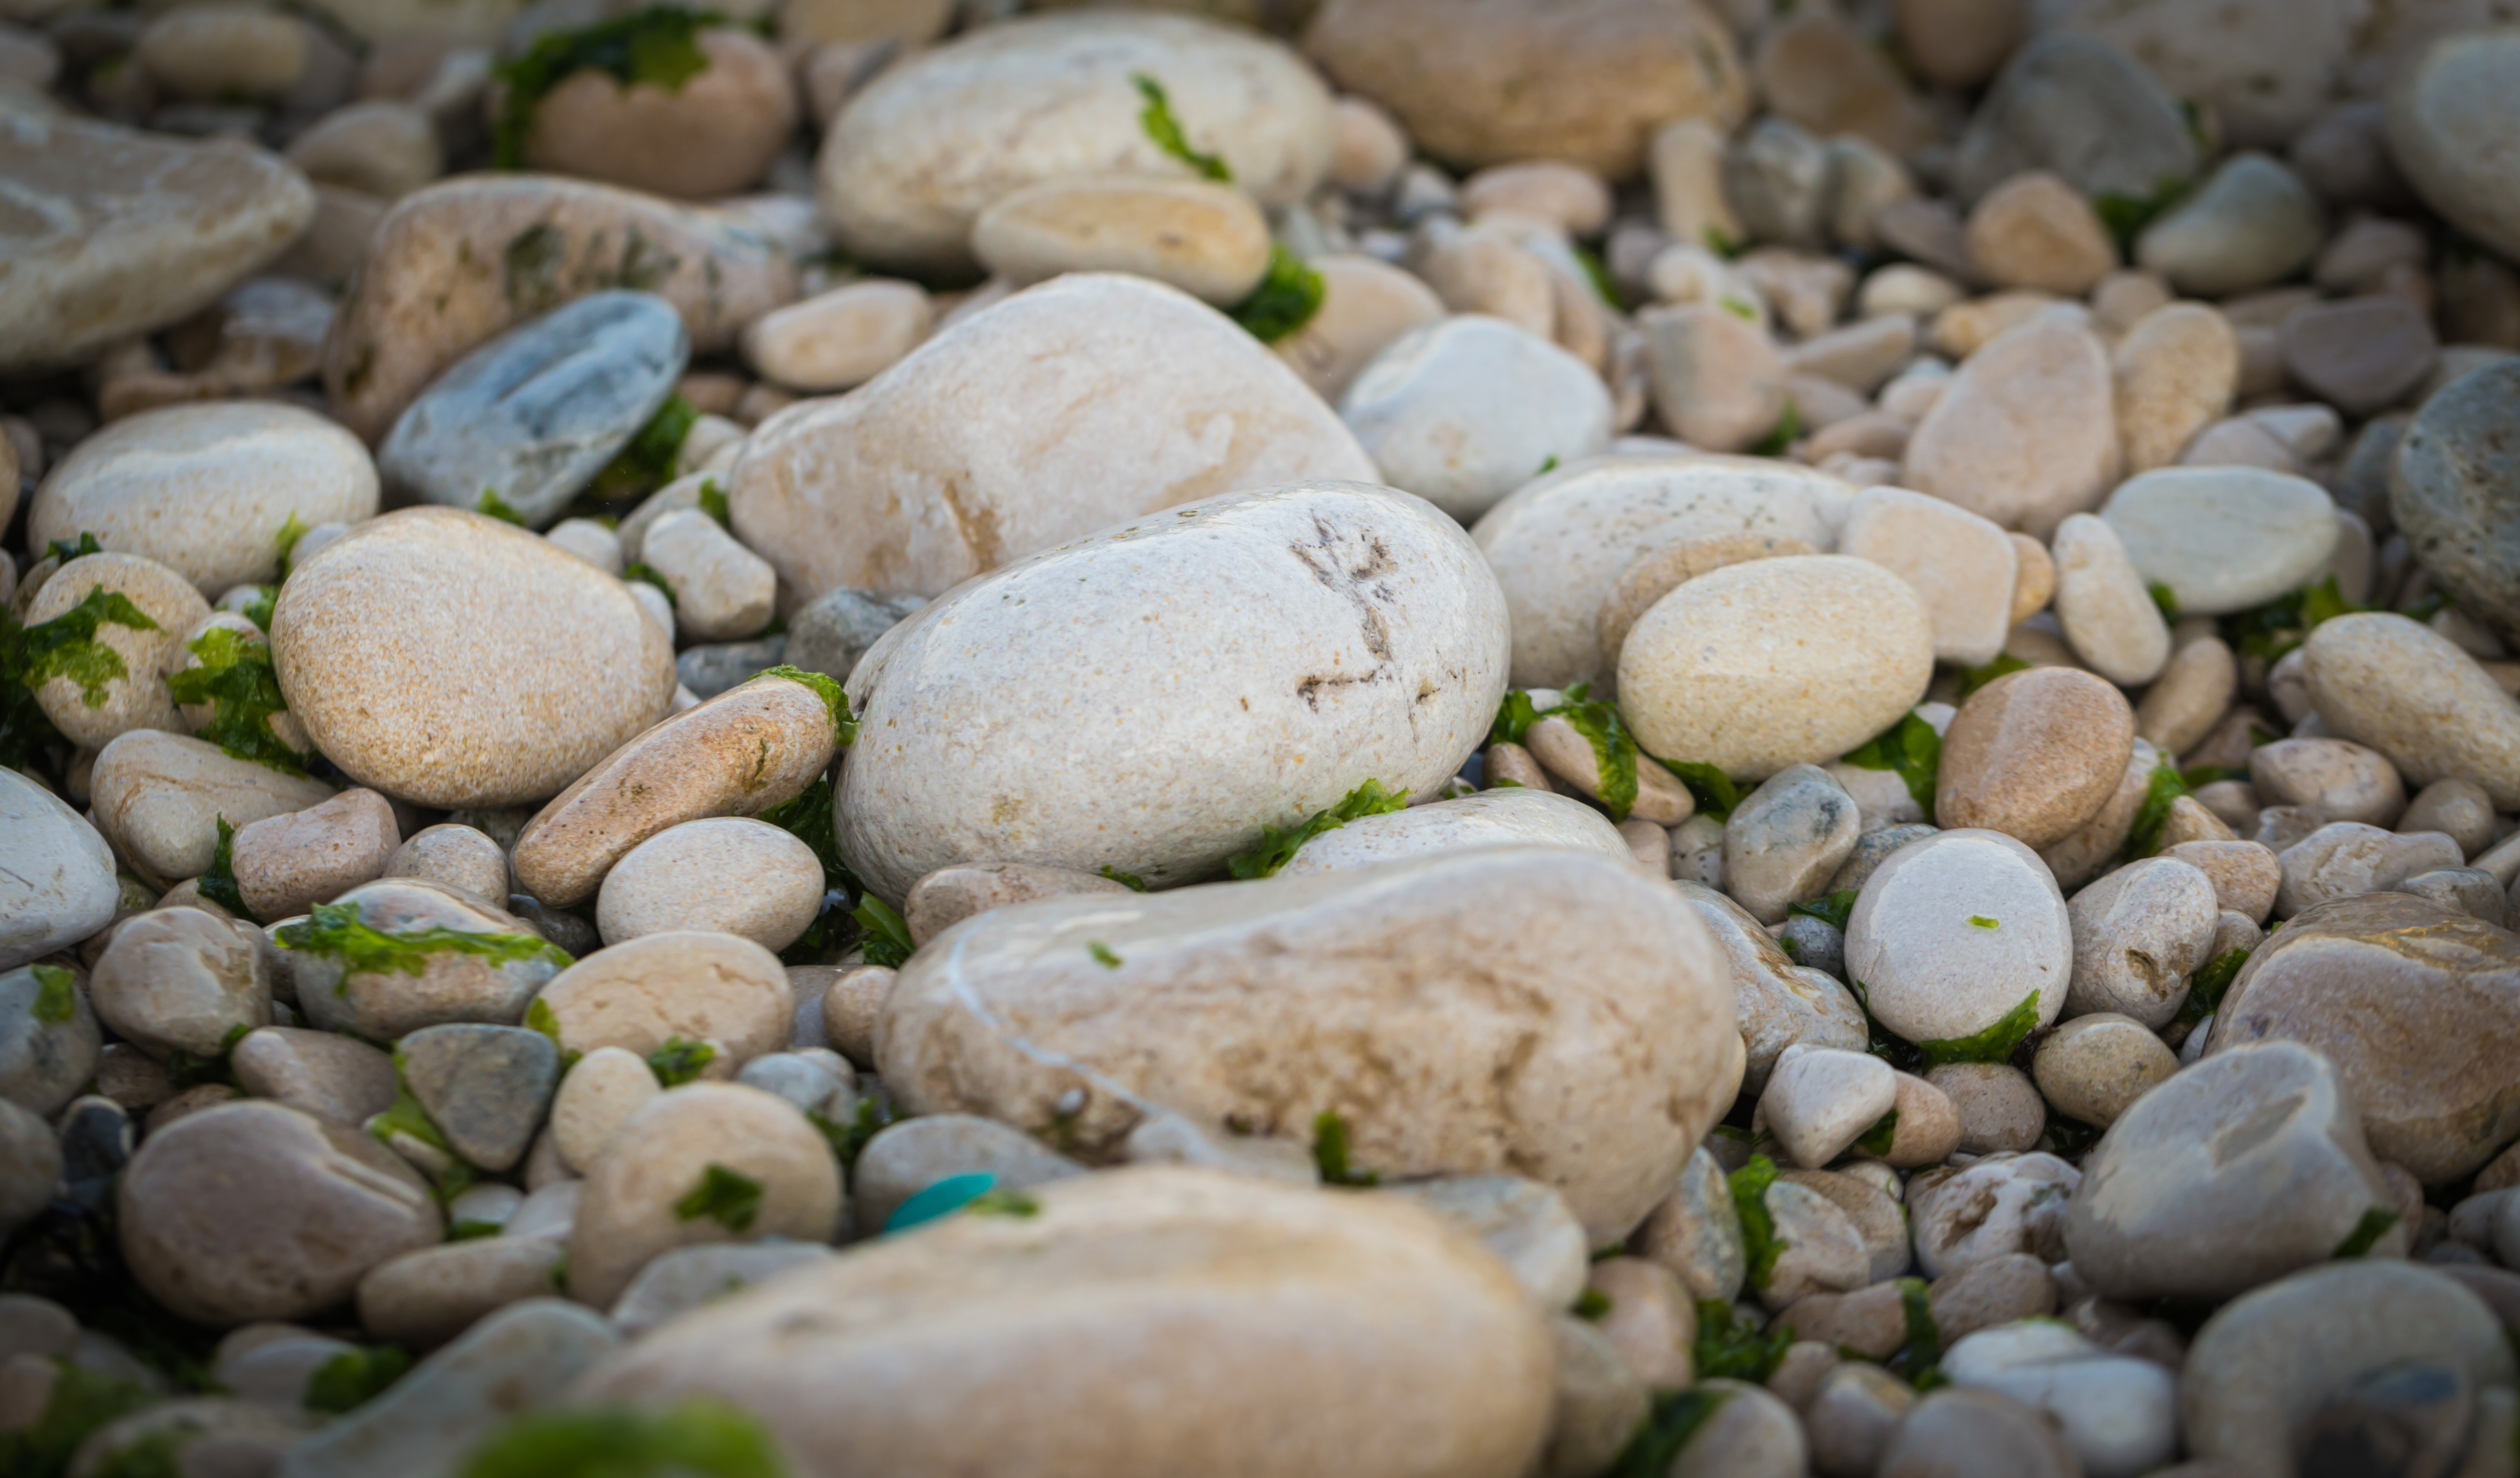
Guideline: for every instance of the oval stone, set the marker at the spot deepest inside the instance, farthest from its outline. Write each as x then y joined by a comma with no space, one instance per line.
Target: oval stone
205,490
1789,662
1067,408
1509,817
1931,971
1183,727
2455,491
58,887
1104,1331
2223,538
1466,409
915,158
1560,542
534,414
2405,690
455,660
1191,1001
2451,113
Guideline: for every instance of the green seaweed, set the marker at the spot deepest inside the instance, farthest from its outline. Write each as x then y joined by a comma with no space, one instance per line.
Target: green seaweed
2207,987
844,729
1591,1306
1760,1244
1654,1451
82,1403
2164,599
728,1198
680,1061
887,938
1912,749
334,931
697,1438
1877,1141
1008,1203
496,506
1157,120
56,995
1290,292
354,1378
219,885
1715,792
2161,790
237,679
1992,1045
659,45
283,544
1331,1152
2366,1232
1277,844
1833,909
1731,1347
1614,749
1129,880
647,462
1101,953
67,645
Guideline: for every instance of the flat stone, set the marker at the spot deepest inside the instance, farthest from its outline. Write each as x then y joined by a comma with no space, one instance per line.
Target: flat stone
2026,434
1509,817
902,1160
2360,355
2345,860
1963,566
2036,755
2224,539
335,1079
118,233
1932,973
484,1087
534,414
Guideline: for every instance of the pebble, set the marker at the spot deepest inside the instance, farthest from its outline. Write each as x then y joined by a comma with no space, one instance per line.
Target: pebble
1963,1433
1398,682
182,980
2389,683
2347,859
484,1087
2331,779
1367,1270
2258,1369
710,134
540,665
2138,933
383,1005
453,856
2265,69
2459,809
695,985
598,1095
203,490
913,1156
44,1060
1932,974
2036,231
2446,111
2224,539
2118,1414
379,147
949,895
2092,1067
1652,576
2080,107
2036,755
1822,1249
1819,1101
532,415
335,1079
1366,305
1997,1206
157,797
1760,666
188,221
423,1299
1696,1232
725,875
138,698
284,865
521,1358
2245,875
829,635
1208,240
2253,222
1527,1226
2000,1109
253,1211
1519,816
1600,1403
684,1278
2443,494
1776,1001
1063,998
2361,355
1989,1294
1590,88
1718,380
2183,707
2026,434
2104,607
59,886
1466,409
1786,839
1964,568
2429,1097
839,339
421,303
1158,402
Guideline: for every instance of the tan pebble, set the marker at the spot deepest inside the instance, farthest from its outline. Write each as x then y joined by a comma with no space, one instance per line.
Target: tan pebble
1998,1107
1650,1321
2092,1067
699,987
1513,765
457,857
2177,370
1366,304
1657,573
1206,239
948,896
423,1299
2035,578
284,865
2190,820
2035,231
840,339
728,874
711,135
602,1091
2034,754
1369,149
851,1006
2190,698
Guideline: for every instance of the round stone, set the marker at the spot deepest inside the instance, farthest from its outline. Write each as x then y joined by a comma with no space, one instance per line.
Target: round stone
725,875
59,886
451,660
709,135
2452,114
1206,239
2408,692
1778,662
2034,754
1466,409
2092,1067
94,716
1932,971
699,987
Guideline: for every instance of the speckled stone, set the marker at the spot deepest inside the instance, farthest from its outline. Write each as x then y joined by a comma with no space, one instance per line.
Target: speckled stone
2035,754
451,660
2450,492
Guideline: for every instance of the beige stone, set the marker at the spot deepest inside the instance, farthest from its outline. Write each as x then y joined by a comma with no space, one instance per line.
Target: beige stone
2102,603
2036,231
252,1211
423,1299
379,147
851,1006
1718,380
2176,371
1149,401
1256,1275
1989,1293
1568,756
2390,683
2245,875
711,134
1370,150
2035,754
2000,1109
536,664
701,987
948,896
456,264
1567,196
749,749
1498,82
2190,698
600,1093
1129,1029
1963,566
665,1151
335,1079
2138,933
1658,574
157,797
2026,433
1366,304
138,699
181,980
2035,579
1650,1321
284,865
839,339
726,875
454,856
2094,1067
2346,859
385,1005
721,590
910,1156
2432,1087
121,232
1206,239
1776,662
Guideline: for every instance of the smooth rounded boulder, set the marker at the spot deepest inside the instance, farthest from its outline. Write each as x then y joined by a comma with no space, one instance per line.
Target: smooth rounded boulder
1549,1012
455,660
1112,703
915,158
1069,407
205,490
1560,543
1104,1328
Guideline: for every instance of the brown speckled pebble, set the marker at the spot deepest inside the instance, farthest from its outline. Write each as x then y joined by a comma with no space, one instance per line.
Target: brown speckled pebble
2035,754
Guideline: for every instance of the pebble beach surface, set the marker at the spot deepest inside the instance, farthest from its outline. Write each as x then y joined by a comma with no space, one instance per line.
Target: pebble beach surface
1260,738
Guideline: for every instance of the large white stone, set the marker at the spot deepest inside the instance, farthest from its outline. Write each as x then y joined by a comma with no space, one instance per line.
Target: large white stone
1119,701
2223,538
1930,972
1468,408
1069,407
